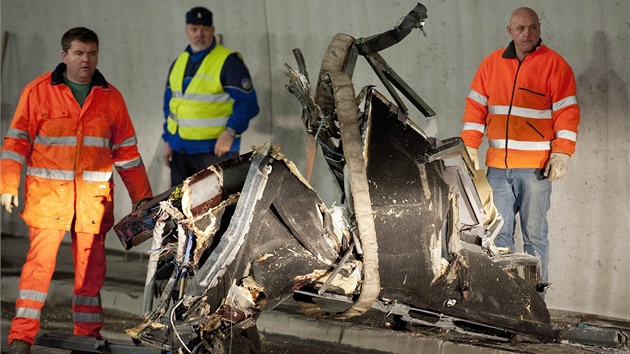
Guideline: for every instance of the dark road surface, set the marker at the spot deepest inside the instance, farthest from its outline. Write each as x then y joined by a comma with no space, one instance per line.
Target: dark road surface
58,319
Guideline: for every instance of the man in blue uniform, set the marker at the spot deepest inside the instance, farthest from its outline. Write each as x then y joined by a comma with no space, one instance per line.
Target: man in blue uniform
208,101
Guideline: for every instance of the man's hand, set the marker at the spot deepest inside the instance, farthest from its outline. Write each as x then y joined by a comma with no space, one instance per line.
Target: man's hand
167,155
557,166
224,143
9,201
474,157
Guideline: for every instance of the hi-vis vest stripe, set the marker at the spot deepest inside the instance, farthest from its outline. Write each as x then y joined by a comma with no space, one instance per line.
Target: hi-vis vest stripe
32,295
86,300
201,112
520,145
68,175
87,317
65,175
11,155
28,313
521,112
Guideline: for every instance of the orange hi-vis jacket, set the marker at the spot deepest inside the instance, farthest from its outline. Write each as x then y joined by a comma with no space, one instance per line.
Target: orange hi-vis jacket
527,109
70,152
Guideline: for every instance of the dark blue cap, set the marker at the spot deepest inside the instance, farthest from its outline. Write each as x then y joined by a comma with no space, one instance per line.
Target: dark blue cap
199,16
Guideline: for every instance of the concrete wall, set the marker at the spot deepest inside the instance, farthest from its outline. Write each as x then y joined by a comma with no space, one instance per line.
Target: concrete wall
590,216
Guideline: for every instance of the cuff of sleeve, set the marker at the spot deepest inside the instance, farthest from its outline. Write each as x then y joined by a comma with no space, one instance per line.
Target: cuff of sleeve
231,131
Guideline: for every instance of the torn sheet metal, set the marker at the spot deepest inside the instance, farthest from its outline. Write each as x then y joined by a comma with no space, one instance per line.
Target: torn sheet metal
278,238
273,238
250,232
473,287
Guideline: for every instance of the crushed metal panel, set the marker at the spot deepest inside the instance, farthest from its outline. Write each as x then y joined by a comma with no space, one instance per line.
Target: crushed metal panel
257,247
305,220
410,200
137,227
269,182
264,234
207,188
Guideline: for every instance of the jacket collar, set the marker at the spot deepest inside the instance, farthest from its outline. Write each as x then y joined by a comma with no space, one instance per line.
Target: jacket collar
510,51
57,77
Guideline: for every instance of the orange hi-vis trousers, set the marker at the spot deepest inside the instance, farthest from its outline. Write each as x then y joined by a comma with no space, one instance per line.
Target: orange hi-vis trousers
88,251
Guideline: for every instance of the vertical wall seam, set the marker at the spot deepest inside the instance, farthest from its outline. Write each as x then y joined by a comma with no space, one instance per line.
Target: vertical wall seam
269,69
606,71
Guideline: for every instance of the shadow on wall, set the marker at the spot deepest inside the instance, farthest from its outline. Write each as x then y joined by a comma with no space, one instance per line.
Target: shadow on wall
604,150
260,129
159,174
12,85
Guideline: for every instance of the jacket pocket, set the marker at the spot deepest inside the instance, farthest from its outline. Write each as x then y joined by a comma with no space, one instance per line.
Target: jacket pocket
536,130
99,123
95,203
48,202
56,121
532,91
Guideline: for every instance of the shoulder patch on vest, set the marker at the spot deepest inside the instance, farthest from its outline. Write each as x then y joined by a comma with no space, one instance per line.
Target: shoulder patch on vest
246,84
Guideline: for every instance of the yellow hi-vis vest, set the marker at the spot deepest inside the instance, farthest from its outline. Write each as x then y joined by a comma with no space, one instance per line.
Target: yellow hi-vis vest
202,112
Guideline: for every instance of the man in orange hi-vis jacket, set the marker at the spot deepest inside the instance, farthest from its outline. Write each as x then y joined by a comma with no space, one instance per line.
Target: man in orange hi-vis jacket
523,98
72,128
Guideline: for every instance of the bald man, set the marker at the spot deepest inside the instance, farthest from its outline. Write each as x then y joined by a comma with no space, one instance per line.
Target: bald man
523,98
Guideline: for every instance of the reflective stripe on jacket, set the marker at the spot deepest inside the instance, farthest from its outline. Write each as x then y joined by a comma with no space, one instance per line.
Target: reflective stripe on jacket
201,112
527,109
70,152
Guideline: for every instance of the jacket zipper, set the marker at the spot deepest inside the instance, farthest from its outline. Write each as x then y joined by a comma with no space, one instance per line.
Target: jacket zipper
507,120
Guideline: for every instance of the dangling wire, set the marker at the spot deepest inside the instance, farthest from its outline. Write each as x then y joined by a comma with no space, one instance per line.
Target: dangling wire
171,318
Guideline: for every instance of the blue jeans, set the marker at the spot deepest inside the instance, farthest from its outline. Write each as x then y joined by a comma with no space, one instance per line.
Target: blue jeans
524,191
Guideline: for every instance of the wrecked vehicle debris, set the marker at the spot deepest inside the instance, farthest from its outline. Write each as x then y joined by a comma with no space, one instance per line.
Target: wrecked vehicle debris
413,236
